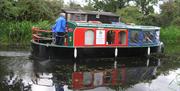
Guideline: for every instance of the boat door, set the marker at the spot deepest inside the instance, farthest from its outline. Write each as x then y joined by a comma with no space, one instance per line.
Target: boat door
110,37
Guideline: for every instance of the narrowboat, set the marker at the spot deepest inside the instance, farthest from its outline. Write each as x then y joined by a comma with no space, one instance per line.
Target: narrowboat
92,34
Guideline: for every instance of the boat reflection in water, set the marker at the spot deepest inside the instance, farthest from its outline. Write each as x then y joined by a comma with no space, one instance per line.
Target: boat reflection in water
43,82
88,74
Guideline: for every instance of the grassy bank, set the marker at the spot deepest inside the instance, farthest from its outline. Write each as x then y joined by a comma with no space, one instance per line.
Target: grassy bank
170,34
18,33
171,38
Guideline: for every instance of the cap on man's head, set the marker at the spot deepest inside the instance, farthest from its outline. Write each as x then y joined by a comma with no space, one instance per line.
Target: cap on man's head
62,14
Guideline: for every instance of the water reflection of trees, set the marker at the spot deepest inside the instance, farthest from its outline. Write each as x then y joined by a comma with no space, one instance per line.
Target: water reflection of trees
169,63
2,73
2,67
140,70
13,70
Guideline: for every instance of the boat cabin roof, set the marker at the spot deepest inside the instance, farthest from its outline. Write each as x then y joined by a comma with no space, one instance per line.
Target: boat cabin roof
88,12
86,15
115,26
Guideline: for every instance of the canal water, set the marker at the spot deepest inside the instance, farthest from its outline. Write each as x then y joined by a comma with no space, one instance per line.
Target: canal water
20,72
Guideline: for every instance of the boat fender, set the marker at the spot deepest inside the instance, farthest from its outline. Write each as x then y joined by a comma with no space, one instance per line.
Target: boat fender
75,67
161,48
159,62
147,62
116,52
75,53
149,51
115,64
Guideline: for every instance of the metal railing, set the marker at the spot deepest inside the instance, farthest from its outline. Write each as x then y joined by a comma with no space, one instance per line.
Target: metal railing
37,34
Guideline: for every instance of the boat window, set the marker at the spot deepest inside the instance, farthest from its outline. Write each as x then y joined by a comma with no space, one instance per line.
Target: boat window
110,37
89,37
77,17
148,37
134,36
122,37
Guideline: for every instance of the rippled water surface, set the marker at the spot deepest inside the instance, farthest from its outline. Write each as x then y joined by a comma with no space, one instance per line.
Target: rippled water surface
19,72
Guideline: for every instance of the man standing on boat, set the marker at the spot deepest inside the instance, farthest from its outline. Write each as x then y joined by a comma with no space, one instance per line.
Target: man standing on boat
59,29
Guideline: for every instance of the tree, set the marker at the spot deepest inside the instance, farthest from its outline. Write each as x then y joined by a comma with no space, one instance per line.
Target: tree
169,11
151,19
74,5
55,6
9,9
146,6
89,5
130,14
122,3
110,5
32,10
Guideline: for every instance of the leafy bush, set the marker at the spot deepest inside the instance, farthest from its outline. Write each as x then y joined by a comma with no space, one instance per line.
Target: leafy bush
129,14
31,10
151,19
170,34
46,25
171,37
176,21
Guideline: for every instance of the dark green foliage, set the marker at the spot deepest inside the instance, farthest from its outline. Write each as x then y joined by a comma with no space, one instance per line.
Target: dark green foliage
44,25
167,14
31,10
110,5
151,19
129,14
170,11
170,34
146,6
176,21
15,32
89,5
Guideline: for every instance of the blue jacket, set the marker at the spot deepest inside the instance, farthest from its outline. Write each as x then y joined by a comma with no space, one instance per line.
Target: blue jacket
60,25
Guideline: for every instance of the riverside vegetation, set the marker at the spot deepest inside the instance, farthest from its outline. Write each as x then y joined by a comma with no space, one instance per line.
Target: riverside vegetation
19,33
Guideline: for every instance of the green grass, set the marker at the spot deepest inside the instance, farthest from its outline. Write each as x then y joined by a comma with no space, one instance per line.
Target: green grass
171,38
170,34
19,32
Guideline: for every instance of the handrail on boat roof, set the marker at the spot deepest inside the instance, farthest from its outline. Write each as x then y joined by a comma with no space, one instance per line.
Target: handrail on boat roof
118,25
